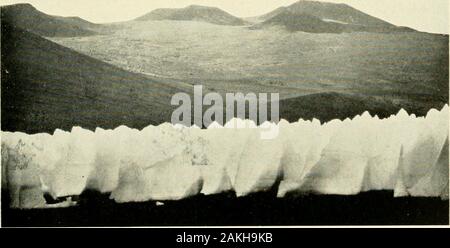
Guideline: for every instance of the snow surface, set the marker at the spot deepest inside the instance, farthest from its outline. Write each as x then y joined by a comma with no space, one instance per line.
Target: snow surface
403,153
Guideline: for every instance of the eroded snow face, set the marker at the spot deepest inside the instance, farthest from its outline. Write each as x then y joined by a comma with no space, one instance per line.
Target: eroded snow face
403,153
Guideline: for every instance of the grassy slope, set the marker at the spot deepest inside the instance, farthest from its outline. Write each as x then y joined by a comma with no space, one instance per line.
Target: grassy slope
401,67
46,86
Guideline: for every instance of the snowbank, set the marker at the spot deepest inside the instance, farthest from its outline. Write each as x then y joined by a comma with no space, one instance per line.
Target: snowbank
403,153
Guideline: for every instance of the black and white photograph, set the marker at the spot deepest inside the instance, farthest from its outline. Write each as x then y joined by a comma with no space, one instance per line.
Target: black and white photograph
224,113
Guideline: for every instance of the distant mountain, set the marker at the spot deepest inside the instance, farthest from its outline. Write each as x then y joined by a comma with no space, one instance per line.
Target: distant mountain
332,11
321,17
194,13
47,86
27,17
305,23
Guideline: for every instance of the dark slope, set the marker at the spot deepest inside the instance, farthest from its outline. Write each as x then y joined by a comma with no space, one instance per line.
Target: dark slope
194,13
26,17
46,86
329,106
320,17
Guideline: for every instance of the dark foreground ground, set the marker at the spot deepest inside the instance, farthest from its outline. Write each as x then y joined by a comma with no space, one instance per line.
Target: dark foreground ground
372,208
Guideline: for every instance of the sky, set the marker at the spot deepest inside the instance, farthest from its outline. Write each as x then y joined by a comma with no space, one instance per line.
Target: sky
424,15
